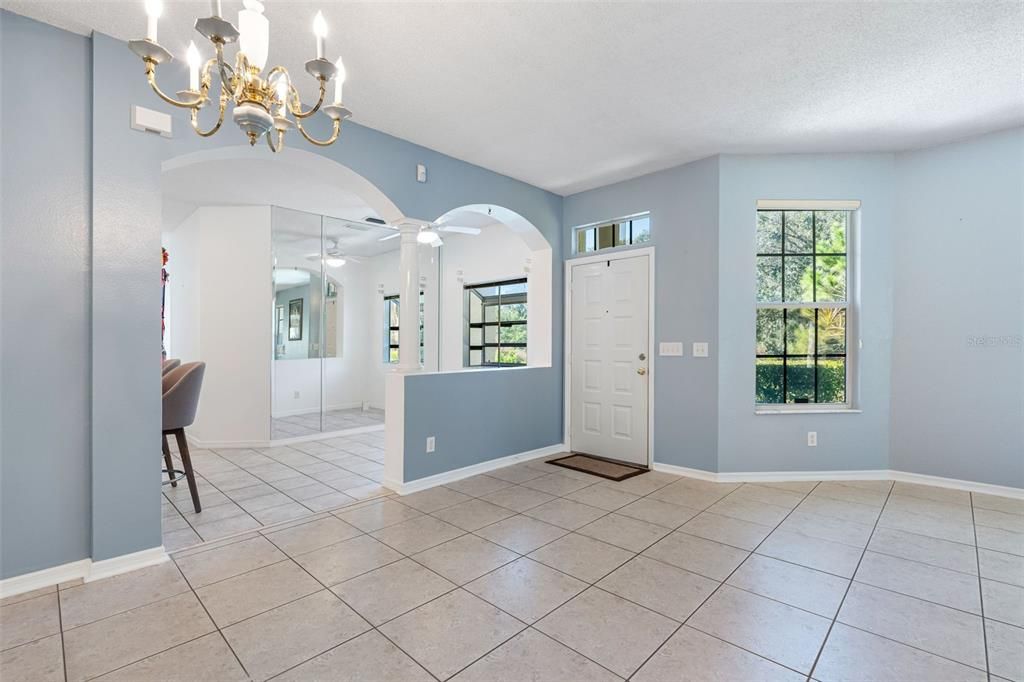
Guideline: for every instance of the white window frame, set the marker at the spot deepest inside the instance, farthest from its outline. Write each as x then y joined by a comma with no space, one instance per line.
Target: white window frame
853,343
622,247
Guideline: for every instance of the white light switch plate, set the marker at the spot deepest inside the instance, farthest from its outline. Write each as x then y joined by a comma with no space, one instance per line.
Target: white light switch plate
700,349
670,348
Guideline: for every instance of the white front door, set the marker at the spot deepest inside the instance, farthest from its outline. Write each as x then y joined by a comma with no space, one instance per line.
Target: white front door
608,355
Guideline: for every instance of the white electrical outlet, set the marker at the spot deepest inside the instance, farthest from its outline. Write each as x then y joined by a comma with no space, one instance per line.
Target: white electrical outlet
430,443
421,173
812,439
296,395
700,349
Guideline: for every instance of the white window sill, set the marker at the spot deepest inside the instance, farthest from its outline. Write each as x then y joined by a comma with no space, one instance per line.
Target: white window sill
818,410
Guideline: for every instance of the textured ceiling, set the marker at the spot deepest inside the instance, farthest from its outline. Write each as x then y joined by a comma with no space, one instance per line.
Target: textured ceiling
570,96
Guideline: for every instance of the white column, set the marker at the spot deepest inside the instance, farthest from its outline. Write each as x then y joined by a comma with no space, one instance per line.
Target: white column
409,300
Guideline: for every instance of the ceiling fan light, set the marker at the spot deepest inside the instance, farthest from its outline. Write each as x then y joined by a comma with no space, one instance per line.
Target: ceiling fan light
426,236
334,262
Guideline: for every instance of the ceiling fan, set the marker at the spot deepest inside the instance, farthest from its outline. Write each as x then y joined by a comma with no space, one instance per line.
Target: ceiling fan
333,256
430,234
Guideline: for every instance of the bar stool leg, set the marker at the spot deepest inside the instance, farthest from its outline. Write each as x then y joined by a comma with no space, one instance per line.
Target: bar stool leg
168,462
186,461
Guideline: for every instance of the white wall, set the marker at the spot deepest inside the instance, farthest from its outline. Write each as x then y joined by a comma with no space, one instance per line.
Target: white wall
182,294
221,288
382,279
345,376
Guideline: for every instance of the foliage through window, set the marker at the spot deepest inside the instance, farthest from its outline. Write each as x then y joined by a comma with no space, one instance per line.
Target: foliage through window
391,321
802,306
496,324
622,232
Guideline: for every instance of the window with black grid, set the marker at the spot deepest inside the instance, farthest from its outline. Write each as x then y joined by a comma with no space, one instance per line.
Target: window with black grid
802,307
391,319
496,324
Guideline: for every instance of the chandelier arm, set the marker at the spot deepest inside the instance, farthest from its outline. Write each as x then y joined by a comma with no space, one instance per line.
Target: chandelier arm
321,143
220,118
151,77
296,110
279,145
223,68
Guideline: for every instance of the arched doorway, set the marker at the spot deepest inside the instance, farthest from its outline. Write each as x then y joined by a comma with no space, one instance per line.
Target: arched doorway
498,261
286,360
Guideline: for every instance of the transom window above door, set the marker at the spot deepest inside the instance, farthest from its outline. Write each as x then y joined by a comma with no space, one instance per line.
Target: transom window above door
496,324
802,355
627,231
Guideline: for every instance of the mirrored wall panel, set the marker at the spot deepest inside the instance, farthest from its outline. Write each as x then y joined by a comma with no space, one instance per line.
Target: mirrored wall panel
334,317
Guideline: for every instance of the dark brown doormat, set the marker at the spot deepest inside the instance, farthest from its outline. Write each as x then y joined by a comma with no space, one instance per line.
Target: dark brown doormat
598,466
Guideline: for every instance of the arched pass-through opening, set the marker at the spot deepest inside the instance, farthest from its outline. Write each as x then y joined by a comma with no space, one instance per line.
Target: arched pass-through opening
314,178
285,359
506,247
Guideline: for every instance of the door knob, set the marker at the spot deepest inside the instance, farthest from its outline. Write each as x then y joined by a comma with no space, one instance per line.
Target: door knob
642,371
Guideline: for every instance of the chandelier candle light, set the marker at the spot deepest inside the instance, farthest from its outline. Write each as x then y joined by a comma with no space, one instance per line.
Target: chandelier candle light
261,103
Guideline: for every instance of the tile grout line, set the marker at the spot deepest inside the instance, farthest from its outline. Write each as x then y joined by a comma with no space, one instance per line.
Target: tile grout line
60,626
269,483
300,522
212,621
594,585
849,585
349,606
533,624
214,486
719,587
273,528
457,587
981,592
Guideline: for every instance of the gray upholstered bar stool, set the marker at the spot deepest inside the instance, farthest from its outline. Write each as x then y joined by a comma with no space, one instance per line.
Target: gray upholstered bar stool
168,365
181,389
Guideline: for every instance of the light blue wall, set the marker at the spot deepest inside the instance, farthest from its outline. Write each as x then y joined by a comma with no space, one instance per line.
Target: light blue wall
683,202
939,255
479,415
702,228
115,324
44,297
749,442
958,406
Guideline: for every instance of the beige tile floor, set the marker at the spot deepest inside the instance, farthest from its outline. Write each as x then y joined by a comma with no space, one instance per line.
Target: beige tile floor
247,489
533,573
332,420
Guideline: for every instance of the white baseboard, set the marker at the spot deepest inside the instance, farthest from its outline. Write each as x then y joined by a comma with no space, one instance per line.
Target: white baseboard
230,444
299,411
686,471
957,484
86,569
776,476
126,562
844,475
472,470
47,577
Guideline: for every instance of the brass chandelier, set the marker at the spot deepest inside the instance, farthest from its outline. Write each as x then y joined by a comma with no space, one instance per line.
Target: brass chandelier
261,104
